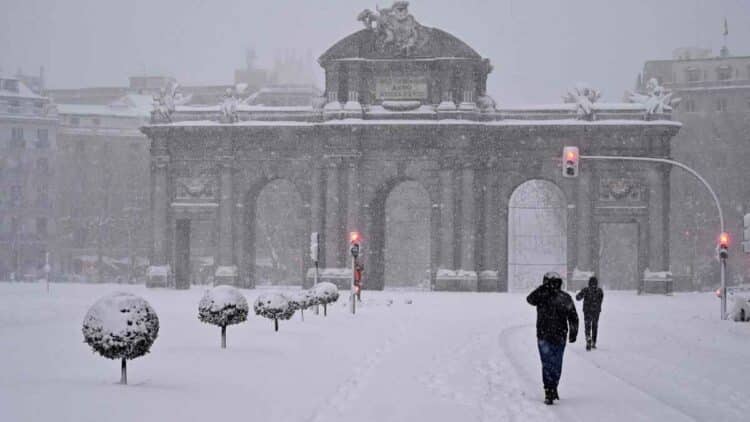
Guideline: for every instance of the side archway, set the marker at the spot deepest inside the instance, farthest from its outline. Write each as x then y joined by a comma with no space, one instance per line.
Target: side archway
537,234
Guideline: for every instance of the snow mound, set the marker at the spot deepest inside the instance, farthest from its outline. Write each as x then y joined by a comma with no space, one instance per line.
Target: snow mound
121,326
273,306
223,306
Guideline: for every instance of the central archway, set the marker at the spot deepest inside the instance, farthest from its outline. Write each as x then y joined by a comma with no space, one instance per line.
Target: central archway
537,228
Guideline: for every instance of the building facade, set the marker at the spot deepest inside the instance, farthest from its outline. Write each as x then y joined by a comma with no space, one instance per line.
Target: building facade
715,141
28,141
405,103
103,196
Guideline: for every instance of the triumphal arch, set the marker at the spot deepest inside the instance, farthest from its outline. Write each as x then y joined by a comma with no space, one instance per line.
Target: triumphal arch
408,103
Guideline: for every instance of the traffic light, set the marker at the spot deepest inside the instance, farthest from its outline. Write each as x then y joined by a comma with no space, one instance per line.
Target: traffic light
570,160
354,240
724,245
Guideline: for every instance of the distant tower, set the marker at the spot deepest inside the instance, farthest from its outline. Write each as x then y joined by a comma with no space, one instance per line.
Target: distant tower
724,49
250,58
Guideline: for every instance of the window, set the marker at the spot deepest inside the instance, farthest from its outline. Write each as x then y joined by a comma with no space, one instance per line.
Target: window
75,121
16,195
96,121
721,105
14,106
690,106
724,73
16,138
17,133
693,74
42,136
42,166
41,226
10,85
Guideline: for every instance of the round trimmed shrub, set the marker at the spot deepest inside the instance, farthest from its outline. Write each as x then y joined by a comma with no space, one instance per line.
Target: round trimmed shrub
223,306
121,326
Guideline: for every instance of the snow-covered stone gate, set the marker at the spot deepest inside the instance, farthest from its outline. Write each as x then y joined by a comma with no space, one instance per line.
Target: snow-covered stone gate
405,102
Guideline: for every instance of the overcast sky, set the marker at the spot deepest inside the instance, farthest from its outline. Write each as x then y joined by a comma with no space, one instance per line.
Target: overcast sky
538,47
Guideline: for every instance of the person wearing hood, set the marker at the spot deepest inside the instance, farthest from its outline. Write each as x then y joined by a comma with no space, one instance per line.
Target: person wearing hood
556,323
592,297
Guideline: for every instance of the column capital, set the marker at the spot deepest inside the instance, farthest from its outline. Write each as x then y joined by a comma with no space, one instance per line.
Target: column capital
160,161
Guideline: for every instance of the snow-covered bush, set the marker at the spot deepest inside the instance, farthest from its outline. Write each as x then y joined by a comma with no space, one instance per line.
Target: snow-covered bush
121,326
223,306
273,306
326,293
302,300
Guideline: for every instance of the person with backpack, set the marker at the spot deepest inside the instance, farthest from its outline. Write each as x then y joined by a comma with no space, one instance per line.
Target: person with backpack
592,297
556,323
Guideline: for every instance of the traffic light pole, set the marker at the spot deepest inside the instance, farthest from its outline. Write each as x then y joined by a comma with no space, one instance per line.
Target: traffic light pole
353,296
695,174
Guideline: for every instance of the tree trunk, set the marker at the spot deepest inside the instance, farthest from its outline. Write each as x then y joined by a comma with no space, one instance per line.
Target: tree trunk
302,314
276,324
224,337
325,309
124,372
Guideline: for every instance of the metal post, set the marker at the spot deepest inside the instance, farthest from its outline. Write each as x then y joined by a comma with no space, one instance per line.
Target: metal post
723,289
352,296
315,283
46,269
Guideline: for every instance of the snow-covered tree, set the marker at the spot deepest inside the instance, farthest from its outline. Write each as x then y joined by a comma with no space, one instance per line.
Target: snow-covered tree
273,306
302,300
121,326
326,293
223,306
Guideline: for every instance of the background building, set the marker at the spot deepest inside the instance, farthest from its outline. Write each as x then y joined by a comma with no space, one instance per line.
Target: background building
715,140
28,141
103,200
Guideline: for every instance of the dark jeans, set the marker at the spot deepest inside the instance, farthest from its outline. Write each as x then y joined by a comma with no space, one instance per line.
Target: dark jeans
552,359
591,321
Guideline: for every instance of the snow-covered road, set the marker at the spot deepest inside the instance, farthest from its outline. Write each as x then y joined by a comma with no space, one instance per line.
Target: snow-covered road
445,357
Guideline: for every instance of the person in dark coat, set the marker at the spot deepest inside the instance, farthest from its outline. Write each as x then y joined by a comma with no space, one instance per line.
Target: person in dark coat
556,323
592,297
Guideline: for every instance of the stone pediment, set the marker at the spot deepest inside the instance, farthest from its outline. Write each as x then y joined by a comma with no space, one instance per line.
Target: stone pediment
365,44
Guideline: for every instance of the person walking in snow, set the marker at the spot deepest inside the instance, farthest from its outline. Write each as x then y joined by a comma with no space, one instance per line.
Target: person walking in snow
592,297
556,322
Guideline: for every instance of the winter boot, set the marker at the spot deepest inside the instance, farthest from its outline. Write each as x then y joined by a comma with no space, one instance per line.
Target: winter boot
593,345
548,396
555,396
588,345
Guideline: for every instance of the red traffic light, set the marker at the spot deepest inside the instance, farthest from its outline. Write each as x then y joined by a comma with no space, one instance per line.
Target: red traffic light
354,237
724,240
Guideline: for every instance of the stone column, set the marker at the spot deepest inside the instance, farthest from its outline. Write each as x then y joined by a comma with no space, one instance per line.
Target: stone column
489,277
468,220
334,235
353,83
332,88
657,218
226,271
447,211
446,87
158,271
468,102
584,231
353,209
316,211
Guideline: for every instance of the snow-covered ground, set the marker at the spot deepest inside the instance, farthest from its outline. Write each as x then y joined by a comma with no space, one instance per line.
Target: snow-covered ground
444,357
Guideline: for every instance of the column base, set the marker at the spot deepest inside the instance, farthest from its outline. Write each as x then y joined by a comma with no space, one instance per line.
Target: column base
659,282
226,275
456,281
467,106
579,279
341,277
158,276
488,281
